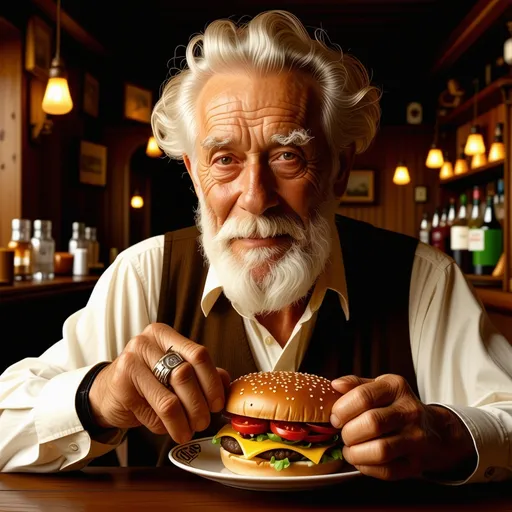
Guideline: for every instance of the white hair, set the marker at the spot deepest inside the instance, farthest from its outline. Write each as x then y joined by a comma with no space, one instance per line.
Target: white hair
271,42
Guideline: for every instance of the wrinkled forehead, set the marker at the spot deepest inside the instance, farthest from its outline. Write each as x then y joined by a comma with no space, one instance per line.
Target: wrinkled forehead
290,100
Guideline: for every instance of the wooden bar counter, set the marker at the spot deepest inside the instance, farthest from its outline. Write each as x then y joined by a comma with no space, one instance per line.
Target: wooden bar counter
153,489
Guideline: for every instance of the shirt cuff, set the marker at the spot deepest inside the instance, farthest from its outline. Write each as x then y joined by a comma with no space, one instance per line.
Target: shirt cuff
57,422
491,444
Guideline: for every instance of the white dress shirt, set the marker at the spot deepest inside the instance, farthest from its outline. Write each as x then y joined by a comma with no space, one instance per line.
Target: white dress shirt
461,361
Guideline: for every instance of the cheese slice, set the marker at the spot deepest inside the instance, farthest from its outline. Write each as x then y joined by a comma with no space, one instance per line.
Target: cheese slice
253,448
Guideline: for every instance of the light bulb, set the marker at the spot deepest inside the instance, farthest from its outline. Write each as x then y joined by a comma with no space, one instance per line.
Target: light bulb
137,201
401,176
475,143
57,99
434,158
446,170
152,148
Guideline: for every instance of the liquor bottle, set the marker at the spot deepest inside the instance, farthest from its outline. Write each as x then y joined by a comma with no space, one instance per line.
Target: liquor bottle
491,247
459,237
452,215
93,248
441,233
77,240
43,246
20,242
425,229
499,201
475,235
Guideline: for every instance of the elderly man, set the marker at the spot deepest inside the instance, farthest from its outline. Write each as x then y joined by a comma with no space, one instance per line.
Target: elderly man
267,121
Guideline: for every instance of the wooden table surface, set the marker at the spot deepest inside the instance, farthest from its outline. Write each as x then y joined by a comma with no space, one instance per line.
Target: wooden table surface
133,489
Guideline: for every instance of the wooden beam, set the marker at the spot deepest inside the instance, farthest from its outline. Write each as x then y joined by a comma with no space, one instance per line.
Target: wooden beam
476,23
68,24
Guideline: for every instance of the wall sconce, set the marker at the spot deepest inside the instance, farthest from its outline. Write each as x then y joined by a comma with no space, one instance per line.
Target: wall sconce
57,99
152,149
401,176
137,200
497,151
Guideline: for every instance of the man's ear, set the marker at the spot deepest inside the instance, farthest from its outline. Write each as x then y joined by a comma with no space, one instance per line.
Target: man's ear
346,163
190,169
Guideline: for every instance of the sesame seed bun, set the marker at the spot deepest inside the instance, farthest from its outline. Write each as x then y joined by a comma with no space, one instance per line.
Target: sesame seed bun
282,396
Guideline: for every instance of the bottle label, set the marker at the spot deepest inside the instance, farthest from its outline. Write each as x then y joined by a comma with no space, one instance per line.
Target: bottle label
424,237
476,240
493,247
459,238
438,240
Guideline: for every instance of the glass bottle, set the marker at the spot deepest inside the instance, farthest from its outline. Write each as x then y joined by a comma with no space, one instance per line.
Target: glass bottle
93,249
499,201
425,229
43,246
441,232
20,242
459,237
77,240
491,248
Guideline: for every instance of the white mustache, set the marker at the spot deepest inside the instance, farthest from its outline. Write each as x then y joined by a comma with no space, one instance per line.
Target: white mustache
260,227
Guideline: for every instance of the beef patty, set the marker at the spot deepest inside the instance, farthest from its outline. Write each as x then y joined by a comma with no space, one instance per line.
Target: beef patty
231,445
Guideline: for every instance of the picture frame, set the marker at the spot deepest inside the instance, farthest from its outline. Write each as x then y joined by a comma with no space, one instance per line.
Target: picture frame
360,188
138,103
38,47
420,194
93,163
91,95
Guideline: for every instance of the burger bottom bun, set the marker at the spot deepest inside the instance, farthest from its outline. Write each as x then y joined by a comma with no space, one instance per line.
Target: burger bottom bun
261,467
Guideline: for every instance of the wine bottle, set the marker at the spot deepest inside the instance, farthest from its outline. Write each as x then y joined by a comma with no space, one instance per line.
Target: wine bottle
475,235
425,229
440,230
491,246
499,201
459,237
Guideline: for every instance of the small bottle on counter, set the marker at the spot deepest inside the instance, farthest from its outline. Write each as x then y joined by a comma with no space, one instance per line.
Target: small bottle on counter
20,242
93,247
43,246
80,262
77,240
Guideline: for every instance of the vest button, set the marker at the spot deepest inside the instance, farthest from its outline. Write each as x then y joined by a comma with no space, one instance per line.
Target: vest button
269,340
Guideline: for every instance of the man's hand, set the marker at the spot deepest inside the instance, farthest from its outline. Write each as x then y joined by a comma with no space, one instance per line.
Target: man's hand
390,434
126,393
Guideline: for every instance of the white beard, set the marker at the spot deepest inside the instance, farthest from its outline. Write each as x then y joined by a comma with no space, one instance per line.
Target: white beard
288,277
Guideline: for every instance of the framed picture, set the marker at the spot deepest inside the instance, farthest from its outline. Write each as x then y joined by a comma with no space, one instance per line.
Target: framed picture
91,95
38,48
420,194
93,163
360,188
138,103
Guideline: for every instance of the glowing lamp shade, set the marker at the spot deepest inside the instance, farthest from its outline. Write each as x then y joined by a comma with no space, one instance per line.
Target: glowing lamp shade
461,166
446,170
478,161
497,151
57,99
401,176
434,158
475,143
137,201
152,148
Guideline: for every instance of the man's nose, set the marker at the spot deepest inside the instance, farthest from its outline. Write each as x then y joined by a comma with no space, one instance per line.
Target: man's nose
258,189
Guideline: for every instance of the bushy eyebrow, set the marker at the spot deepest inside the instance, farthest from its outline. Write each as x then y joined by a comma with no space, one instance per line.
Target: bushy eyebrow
212,142
297,137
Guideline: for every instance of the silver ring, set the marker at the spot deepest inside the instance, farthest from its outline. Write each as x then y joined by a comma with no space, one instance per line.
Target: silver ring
165,365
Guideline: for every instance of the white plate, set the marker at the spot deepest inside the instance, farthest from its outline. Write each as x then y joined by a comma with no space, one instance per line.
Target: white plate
202,458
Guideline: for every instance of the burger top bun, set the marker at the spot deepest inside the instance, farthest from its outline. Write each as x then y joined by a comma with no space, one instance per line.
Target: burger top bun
282,396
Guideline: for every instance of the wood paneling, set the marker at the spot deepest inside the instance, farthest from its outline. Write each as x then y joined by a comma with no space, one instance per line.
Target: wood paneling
395,208
10,127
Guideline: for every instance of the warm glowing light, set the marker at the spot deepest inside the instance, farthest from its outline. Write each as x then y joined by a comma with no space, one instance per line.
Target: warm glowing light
446,170
401,176
137,201
461,166
57,99
497,151
152,148
434,158
478,160
475,143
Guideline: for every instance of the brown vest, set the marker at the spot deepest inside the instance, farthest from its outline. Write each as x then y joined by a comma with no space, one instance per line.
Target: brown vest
375,340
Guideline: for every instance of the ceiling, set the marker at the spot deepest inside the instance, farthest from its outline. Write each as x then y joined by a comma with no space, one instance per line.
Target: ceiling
398,40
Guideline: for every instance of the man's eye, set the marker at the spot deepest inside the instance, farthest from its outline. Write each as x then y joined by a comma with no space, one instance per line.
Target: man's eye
225,160
288,156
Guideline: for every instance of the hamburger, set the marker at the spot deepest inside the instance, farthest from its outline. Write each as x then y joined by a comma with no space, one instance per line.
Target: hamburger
279,426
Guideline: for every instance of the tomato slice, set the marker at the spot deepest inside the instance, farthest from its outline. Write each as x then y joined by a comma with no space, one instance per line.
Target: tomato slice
288,430
246,425
323,428
317,438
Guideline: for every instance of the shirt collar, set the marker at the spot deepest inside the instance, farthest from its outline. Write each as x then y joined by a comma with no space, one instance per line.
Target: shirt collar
332,278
